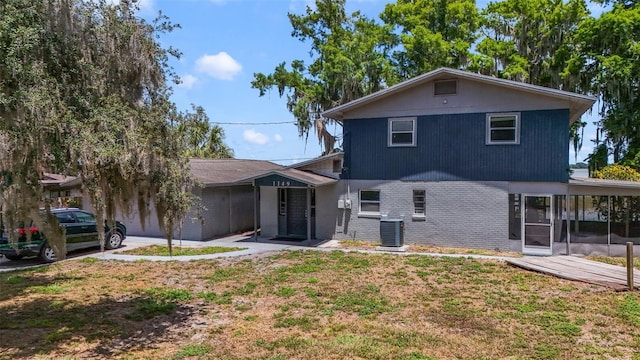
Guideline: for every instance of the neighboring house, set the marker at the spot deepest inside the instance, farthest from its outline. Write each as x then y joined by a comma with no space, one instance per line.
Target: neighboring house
228,201
464,160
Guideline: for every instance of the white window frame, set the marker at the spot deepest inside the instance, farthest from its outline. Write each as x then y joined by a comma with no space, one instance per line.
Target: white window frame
419,215
391,132
515,141
370,213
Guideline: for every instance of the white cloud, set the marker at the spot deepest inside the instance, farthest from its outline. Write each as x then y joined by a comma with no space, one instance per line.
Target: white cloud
188,81
277,137
255,137
220,66
144,5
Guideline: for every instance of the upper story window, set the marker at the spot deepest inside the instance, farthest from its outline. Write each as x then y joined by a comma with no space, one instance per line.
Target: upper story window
402,131
503,128
445,87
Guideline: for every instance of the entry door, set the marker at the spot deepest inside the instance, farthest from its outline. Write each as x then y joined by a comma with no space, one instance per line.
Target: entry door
297,212
292,219
537,225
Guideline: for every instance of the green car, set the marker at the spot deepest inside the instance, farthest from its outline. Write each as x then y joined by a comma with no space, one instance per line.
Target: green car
81,233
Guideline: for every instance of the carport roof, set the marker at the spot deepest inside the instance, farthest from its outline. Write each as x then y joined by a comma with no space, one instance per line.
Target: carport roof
220,172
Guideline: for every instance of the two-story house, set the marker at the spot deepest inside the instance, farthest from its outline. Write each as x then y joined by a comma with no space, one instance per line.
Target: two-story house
465,160
456,159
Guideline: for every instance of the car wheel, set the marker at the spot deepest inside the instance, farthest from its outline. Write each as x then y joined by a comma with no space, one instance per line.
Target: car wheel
47,254
114,240
13,257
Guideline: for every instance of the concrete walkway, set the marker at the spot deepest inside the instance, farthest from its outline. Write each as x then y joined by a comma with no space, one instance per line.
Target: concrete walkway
262,245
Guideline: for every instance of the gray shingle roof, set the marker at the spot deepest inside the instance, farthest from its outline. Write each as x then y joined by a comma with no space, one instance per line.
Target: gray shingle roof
218,172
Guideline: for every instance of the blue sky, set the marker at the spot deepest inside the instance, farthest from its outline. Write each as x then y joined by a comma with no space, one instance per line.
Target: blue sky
224,42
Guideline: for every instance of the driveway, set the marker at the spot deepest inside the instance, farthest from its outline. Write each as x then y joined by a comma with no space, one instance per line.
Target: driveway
132,242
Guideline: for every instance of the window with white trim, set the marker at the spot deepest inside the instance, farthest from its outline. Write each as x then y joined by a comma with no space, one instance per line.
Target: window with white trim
503,128
369,201
402,131
418,202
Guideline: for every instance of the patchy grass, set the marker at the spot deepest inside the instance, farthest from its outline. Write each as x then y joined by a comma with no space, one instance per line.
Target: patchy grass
620,261
157,250
370,245
310,305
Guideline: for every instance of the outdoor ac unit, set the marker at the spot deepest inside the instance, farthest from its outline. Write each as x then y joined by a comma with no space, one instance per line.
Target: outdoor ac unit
391,232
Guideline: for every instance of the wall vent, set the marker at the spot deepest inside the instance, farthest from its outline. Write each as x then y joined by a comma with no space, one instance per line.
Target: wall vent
445,87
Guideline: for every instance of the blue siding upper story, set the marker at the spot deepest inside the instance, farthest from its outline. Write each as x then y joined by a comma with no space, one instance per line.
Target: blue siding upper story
453,147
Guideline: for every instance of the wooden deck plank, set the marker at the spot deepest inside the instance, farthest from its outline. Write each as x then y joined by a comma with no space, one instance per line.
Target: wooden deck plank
572,268
570,272
595,268
584,271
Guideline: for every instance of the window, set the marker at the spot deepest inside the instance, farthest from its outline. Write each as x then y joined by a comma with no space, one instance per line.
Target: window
503,128
282,200
445,87
370,201
418,202
65,218
84,217
402,132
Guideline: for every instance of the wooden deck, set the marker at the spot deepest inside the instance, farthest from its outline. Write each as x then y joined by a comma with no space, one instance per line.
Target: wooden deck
579,269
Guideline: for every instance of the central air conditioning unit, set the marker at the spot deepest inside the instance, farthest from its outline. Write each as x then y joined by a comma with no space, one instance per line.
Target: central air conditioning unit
392,232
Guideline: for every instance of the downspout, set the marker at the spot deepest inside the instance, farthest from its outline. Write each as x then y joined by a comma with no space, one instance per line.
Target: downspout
308,212
255,212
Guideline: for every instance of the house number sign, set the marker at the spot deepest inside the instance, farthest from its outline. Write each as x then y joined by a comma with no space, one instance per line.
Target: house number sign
281,183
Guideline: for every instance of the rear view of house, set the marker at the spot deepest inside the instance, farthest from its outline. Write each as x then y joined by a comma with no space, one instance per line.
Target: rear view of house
462,159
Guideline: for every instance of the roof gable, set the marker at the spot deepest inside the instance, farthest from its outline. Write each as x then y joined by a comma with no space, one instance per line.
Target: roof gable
477,93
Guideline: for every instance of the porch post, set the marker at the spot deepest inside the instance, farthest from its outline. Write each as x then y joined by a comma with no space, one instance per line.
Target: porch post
255,212
568,206
609,225
308,213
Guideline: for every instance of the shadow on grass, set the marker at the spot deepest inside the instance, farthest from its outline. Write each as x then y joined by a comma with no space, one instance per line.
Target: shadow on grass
112,326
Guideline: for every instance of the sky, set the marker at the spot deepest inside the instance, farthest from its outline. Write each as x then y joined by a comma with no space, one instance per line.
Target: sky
224,42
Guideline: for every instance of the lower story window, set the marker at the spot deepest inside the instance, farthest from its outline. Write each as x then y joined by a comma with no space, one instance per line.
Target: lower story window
418,202
515,224
370,201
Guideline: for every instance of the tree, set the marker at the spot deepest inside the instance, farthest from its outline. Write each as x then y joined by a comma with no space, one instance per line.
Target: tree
530,41
617,172
200,138
432,34
351,61
84,92
607,62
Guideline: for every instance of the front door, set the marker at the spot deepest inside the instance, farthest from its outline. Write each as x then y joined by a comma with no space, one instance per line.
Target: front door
292,219
537,225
